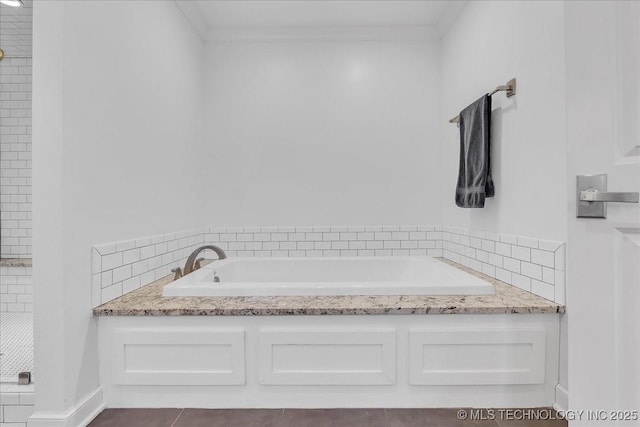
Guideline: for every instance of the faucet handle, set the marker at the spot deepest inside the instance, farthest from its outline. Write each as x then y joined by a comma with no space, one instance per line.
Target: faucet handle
198,264
178,273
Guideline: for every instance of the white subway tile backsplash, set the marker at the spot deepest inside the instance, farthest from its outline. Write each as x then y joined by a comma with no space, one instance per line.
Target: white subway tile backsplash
475,242
228,237
521,253
314,237
548,275
544,290
531,270
543,257
348,236
520,281
482,256
549,245
391,244
503,275
418,235
489,270
409,244
400,235
559,286
488,245
147,252
509,238
493,254
503,249
328,237
322,245
376,244
121,273
339,245
528,242
559,256
495,260
511,264
304,246
383,235
358,244
130,256
131,284
107,278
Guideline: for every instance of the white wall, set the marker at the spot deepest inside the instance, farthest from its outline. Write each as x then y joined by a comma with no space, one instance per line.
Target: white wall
117,141
322,132
490,43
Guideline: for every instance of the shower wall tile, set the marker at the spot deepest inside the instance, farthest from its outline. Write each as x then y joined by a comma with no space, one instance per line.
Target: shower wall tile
15,157
16,404
534,265
16,289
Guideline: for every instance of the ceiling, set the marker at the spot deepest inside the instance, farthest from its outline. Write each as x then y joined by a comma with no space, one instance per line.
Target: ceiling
218,16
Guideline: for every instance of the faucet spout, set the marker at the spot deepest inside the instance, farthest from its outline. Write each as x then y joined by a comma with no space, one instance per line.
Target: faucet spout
192,265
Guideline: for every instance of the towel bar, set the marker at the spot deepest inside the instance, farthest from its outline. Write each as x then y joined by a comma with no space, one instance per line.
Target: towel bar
510,88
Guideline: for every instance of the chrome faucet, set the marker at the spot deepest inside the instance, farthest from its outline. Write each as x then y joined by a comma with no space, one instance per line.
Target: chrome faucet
193,264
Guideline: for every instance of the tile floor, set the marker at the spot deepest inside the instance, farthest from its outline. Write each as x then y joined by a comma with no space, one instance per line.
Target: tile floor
16,345
323,418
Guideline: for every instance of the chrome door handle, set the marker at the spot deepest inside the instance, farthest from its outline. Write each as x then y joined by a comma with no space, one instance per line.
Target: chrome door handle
593,195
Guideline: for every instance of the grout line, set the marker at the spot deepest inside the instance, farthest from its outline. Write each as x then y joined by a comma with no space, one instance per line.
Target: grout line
176,420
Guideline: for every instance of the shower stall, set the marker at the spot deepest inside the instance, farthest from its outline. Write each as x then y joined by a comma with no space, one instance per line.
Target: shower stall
16,288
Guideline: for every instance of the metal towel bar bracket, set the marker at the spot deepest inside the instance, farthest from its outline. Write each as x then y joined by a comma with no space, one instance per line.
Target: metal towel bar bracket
509,88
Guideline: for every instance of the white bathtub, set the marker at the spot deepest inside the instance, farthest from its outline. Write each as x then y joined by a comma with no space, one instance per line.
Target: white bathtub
328,276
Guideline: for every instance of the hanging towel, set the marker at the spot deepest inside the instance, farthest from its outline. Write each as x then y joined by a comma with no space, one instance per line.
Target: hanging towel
474,175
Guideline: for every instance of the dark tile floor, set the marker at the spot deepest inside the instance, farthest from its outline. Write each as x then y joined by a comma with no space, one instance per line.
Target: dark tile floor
539,417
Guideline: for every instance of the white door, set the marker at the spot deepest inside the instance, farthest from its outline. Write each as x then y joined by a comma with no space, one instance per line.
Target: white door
603,270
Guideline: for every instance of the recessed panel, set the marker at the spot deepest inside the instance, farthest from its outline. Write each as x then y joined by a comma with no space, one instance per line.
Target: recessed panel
327,357
178,356
477,357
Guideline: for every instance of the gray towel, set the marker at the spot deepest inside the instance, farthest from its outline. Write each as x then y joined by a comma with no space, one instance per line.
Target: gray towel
474,175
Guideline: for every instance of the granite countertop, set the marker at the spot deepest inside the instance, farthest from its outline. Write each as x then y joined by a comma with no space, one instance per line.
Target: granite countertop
148,301
16,262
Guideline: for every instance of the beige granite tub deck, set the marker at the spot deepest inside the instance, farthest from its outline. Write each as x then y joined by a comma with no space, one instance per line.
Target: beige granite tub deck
148,301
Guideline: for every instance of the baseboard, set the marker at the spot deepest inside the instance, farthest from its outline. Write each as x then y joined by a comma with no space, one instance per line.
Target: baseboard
562,399
79,415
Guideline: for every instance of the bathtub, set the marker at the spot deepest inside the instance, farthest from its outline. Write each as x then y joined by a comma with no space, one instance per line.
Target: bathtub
327,276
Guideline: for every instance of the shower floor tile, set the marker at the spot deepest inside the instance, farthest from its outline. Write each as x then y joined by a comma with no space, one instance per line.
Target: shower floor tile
16,345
